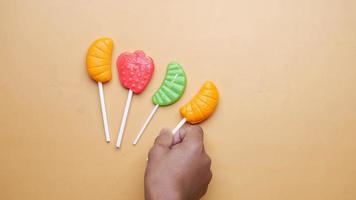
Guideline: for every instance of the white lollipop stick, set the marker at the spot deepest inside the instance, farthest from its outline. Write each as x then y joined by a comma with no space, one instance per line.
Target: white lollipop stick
124,118
146,123
103,111
179,125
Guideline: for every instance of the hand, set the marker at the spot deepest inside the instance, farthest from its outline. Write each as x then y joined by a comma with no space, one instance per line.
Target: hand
178,167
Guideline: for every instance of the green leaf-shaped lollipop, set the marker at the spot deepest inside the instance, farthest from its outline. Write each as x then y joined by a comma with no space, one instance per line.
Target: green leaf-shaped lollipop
172,87
170,91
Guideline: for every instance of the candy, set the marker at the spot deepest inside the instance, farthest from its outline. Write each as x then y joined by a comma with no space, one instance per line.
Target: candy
135,72
170,91
98,62
201,106
172,87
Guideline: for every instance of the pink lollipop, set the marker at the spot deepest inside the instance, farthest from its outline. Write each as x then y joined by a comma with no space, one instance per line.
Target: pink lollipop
135,72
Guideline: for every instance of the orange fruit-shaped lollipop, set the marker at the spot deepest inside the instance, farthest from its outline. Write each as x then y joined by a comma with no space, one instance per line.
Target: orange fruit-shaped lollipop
99,59
98,62
201,106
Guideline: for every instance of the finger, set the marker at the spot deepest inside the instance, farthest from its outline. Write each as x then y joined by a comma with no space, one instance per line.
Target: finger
178,137
161,145
193,134
165,139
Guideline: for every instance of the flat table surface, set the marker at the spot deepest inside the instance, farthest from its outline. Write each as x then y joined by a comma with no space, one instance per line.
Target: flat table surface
285,127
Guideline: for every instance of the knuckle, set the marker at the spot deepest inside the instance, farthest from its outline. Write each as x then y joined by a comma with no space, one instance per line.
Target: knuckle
197,129
153,152
207,160
197,146
210,176
157,140
160,143
163,139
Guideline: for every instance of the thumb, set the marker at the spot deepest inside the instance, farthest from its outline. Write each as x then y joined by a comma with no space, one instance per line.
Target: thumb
162,144
165,139
193,135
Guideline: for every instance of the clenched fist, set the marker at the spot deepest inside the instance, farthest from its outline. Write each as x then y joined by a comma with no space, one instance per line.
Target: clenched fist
178,167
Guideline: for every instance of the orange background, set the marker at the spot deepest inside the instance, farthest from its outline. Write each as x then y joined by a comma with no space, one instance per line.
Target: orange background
285,127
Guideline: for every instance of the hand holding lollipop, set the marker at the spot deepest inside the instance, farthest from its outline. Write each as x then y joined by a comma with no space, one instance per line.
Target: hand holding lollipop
135,72
170,91
98,62
200,107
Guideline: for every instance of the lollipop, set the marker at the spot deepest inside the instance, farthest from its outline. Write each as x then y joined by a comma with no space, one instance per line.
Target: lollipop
170,91
135,72
99,68
200,107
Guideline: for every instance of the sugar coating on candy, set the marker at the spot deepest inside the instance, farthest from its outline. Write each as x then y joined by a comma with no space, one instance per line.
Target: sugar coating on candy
98,59
172,87
202,105
135,70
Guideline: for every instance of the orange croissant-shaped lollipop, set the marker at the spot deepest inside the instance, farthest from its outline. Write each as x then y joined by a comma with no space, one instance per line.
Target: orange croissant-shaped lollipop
201,106
98,62
99,59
